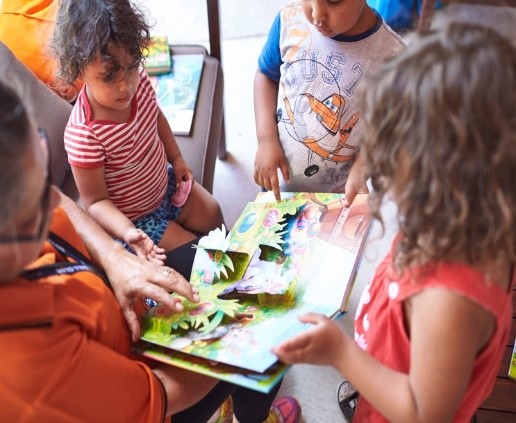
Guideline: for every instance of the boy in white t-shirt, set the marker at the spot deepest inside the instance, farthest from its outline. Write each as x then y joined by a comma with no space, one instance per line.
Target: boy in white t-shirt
319,53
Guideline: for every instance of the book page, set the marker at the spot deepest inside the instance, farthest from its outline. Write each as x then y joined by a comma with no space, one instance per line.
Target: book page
280,260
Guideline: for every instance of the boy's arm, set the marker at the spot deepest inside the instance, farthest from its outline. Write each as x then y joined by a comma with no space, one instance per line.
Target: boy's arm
355,184
181,169
269,155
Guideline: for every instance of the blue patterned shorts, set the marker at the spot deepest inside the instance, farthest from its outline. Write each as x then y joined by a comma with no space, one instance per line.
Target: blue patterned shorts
155,223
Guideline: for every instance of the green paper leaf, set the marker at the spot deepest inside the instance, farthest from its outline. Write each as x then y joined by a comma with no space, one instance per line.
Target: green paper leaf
217,319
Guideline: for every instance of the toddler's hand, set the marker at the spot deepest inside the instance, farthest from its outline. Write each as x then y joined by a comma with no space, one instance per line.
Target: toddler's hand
181,170
269,158
321,344
143,246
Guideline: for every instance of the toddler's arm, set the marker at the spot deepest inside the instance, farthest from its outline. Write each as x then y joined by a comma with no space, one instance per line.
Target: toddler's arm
181,169
269,155
94,195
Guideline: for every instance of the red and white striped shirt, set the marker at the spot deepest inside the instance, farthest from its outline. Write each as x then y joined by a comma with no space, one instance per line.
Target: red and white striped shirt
133,156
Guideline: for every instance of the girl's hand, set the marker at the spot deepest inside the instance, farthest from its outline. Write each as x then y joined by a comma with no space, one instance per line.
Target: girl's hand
144,247
321,344
181,170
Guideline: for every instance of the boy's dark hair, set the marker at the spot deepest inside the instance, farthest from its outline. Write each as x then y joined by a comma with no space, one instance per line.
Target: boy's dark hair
86,29
446,107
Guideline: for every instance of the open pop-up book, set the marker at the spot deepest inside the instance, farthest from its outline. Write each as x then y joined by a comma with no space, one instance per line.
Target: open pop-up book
280,260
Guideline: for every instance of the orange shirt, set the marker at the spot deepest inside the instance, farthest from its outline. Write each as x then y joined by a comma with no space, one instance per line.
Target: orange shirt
65,350
26,27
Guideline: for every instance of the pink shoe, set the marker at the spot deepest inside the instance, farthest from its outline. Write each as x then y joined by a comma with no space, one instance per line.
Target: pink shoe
181,194
284,410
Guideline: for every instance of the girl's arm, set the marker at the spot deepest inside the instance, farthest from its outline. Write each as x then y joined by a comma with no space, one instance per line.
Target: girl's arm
94,195
269,155
181,169
446,333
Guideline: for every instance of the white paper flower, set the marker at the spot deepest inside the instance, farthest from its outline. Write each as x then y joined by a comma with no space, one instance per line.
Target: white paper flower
216,240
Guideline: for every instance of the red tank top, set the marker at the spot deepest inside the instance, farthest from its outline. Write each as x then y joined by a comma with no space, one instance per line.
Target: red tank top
380,312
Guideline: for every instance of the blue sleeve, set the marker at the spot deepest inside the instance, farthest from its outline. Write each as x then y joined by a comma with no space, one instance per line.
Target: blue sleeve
269,61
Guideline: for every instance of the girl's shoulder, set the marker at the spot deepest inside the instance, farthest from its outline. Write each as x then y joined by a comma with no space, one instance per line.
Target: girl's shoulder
462,279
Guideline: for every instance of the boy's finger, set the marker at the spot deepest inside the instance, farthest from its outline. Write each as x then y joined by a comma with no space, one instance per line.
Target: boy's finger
284,171
349,196
275,188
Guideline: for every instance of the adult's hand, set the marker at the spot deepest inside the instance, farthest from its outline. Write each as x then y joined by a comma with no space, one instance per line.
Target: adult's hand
131,277
134,278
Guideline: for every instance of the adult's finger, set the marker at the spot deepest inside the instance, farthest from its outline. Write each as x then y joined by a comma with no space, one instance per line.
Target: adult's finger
132,321
172,281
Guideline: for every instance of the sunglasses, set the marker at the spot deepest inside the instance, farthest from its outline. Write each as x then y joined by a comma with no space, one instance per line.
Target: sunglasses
43,204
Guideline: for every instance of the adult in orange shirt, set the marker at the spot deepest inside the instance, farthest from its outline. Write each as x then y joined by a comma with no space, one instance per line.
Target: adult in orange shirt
26,27
66,353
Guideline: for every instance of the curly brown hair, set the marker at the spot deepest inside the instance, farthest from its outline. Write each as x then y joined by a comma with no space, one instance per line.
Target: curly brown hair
86,29
447,107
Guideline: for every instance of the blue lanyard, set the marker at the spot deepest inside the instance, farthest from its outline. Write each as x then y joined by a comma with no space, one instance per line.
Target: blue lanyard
80,263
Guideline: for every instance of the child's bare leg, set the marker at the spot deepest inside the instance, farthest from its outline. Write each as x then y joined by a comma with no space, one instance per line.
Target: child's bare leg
175,236
201,212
